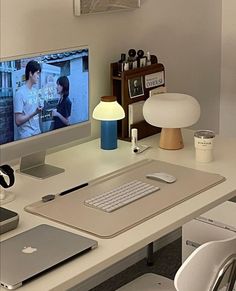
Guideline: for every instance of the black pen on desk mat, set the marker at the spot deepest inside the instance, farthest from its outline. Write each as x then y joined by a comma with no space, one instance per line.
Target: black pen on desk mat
73,189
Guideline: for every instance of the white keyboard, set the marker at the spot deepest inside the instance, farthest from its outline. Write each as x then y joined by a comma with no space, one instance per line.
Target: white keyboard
121,196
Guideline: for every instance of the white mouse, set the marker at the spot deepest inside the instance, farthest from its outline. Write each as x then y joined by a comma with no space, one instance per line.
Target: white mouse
162,177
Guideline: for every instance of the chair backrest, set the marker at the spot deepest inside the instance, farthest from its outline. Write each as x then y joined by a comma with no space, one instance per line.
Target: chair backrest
210,267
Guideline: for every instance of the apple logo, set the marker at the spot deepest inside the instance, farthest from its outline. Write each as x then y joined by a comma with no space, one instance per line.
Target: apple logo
29,250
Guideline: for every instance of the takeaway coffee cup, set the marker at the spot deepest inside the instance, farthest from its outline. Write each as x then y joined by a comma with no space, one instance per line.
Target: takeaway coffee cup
204,142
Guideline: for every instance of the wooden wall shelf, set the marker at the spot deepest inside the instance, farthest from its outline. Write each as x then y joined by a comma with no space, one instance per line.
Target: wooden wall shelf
151,77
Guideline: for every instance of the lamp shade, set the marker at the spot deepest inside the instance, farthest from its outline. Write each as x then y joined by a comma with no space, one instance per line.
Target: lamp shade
108,109
171,110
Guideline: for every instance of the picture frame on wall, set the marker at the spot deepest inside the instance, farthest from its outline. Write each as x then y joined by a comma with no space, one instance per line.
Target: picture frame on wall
135,86
101,6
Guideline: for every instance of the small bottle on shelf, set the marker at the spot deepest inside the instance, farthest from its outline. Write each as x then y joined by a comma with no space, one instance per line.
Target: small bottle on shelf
140,56
121,64
132,59
148,62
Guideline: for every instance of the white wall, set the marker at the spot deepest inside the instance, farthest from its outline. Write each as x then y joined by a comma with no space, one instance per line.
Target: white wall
228,73
184,34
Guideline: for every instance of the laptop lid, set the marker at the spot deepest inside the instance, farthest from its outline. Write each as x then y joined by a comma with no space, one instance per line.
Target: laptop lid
36,250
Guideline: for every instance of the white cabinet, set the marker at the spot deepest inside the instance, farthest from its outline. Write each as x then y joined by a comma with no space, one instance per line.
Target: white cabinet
218,223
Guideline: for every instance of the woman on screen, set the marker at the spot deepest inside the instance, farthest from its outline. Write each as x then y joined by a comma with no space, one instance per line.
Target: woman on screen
63,111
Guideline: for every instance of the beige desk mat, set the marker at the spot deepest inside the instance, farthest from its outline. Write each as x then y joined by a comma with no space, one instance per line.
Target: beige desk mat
70,209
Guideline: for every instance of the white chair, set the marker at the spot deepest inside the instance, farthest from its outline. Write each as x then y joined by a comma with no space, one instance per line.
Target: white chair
211,267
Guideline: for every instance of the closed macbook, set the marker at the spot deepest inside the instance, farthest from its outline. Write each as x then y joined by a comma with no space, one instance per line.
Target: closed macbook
41,248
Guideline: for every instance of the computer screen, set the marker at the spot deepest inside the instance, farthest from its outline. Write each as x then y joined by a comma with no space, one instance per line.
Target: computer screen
44,102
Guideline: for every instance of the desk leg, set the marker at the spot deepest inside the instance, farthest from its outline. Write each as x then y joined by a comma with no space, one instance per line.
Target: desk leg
150,256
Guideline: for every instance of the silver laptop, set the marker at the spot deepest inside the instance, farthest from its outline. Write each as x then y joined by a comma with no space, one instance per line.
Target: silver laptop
39,249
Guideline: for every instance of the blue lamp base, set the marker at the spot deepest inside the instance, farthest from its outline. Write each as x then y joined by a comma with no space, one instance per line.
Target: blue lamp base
109,135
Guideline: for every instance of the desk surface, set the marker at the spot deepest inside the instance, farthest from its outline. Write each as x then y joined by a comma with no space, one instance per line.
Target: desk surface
86,162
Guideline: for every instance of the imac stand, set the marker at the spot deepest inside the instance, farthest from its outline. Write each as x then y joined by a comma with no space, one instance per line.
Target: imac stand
34,165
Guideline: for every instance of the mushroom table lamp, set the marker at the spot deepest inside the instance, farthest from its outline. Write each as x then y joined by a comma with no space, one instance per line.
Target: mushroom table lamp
108,111
171,112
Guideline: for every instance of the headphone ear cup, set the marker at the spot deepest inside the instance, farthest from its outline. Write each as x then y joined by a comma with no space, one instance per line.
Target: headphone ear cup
8,171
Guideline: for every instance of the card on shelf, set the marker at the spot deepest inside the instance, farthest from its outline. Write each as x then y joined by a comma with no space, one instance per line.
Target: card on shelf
158,90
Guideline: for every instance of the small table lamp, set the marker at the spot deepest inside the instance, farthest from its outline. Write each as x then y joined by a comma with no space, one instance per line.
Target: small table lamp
171,112
108,111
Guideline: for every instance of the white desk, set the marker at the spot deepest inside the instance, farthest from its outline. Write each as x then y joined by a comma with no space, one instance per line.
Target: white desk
87,161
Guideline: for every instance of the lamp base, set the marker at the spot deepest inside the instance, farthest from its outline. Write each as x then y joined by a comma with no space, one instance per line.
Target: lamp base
109,135
171,139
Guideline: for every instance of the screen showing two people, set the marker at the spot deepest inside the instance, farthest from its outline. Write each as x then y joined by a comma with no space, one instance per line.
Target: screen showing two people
43,93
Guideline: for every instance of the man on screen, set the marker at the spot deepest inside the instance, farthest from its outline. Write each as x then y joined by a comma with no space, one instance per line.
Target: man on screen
26,103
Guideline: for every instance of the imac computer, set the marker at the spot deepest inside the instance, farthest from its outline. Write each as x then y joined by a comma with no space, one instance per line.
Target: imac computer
44,102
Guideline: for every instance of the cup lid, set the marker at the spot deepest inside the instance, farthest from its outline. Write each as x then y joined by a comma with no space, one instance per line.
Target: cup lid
204,134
